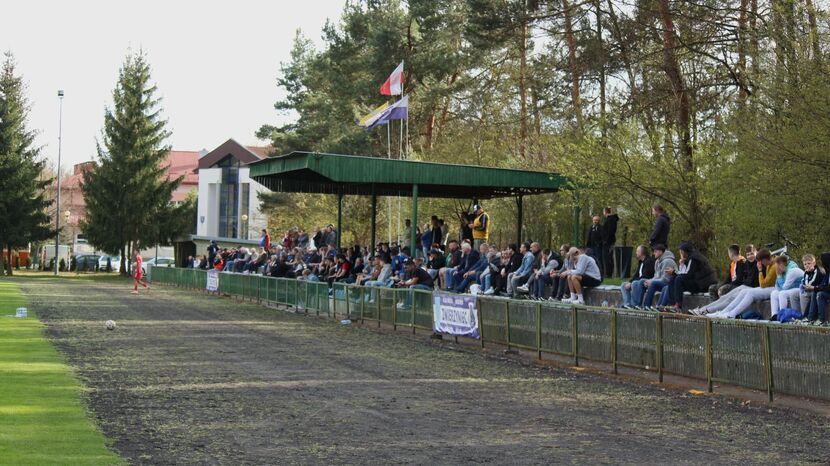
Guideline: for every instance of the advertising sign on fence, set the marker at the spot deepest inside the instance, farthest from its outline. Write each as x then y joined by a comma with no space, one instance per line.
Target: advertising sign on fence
212,280
455,314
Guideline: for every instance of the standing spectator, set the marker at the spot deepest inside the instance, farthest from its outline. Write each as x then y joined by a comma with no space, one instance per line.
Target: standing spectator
466,232
407,233
212,249
595,240
662,226
609,241
632,290
445,232
426,239
265,240
331,235
318,239
480,226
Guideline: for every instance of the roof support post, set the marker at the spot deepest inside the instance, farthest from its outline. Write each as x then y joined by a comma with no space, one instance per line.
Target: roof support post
519,217
374,218
413,230
339,219
577,213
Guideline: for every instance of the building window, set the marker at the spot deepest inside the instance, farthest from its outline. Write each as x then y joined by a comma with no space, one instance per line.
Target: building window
228,202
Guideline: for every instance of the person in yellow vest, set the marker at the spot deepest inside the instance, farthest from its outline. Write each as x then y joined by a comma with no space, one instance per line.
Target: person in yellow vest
480,226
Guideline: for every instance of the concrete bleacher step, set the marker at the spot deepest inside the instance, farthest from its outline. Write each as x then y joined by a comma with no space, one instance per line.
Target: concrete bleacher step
610,293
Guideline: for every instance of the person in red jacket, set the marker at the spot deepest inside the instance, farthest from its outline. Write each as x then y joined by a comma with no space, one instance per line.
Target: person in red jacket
265,240
138,275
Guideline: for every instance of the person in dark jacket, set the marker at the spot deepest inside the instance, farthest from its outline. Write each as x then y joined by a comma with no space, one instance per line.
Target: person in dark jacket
609,240
696,275
817,311
594,242
662,225
511,265
632,290
735,273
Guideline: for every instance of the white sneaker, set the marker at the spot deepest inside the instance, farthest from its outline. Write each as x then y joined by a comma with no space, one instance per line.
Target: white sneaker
523,288
490,291
698,311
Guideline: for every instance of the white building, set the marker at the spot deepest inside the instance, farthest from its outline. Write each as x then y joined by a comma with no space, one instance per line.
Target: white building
228,206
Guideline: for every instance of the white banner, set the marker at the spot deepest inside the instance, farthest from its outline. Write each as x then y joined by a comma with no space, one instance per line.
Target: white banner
455,314
212,280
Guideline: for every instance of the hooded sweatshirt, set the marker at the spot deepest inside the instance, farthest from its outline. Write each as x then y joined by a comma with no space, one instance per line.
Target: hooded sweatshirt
697,268
791,278
662,263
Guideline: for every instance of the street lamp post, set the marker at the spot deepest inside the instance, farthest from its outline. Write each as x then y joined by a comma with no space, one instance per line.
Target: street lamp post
58,197
244,234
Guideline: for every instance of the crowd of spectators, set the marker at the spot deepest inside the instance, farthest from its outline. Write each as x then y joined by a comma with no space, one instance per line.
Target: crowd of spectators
470,264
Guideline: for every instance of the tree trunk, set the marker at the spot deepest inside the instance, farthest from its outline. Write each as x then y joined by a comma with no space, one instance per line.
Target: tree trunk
601,70
701,230
742,33
522,83
814,41
569,39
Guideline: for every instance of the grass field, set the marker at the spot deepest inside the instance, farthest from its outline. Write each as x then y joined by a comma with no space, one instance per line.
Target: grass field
42,419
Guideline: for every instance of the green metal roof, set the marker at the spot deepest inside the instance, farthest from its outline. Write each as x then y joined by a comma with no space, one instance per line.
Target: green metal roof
307,172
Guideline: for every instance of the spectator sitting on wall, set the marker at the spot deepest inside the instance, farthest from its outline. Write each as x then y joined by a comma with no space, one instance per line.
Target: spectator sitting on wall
748,277
469,259
767,276
559,277
491,273
472,274
584,275
789,277
734,274
664,268
694,275
542,276
817,314
517,278
799,298
452,259
632,290
436,262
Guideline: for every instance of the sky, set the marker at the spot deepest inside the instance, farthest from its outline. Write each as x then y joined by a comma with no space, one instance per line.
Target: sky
215,64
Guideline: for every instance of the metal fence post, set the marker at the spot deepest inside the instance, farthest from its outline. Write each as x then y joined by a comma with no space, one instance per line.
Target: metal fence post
767,361
709,356
539,331
412,319
614,340
395,314
507,321
574,336
658,351
480,323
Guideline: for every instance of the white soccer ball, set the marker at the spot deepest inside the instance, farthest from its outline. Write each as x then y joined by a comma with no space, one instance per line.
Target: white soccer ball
110,325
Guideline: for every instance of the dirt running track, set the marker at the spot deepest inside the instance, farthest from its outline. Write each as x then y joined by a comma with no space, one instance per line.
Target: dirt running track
190,379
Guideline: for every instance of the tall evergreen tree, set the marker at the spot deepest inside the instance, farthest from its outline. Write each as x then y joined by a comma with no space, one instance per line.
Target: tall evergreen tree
22,202
128,194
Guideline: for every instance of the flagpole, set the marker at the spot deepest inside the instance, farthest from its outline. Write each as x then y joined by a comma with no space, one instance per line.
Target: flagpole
388,199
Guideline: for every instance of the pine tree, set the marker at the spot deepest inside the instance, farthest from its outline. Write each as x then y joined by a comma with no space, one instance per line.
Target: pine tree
128,193
22,203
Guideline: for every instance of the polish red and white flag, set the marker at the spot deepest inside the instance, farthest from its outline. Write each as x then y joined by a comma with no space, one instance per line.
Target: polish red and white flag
394,83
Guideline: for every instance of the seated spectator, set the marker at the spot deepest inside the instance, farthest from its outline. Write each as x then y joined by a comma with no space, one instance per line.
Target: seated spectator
384,273
695,275
469,260
559,277
203,263
521,275
485,279
789,277
436,262
749,279
282,269
539,259
399,261
798,298
543,276
735,273
472,274
817,314
453,260
417,279
189,263
585,274
511,262
767,277
633,289
340,271
664,268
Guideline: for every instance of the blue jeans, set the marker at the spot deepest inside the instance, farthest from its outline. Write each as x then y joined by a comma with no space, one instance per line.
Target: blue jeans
653,287
539,285
407,299
448,278
629,295
818,306
462,287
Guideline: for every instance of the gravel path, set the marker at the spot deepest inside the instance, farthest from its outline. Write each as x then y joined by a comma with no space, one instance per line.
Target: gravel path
192,379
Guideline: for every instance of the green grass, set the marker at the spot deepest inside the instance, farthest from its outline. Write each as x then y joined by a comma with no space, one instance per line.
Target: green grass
42,419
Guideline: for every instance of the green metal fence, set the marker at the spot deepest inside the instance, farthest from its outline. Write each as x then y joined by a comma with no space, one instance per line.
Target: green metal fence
772,357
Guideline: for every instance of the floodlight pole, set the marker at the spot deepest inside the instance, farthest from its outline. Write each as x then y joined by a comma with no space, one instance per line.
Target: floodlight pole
58,197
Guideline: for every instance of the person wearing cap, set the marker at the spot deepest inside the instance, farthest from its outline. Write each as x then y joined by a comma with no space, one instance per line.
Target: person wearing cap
480,226
436,262
418,279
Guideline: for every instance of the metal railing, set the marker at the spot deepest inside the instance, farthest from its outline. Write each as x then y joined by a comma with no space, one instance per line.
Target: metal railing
776,358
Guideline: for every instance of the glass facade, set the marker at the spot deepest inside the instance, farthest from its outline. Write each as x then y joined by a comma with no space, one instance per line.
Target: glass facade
228,202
